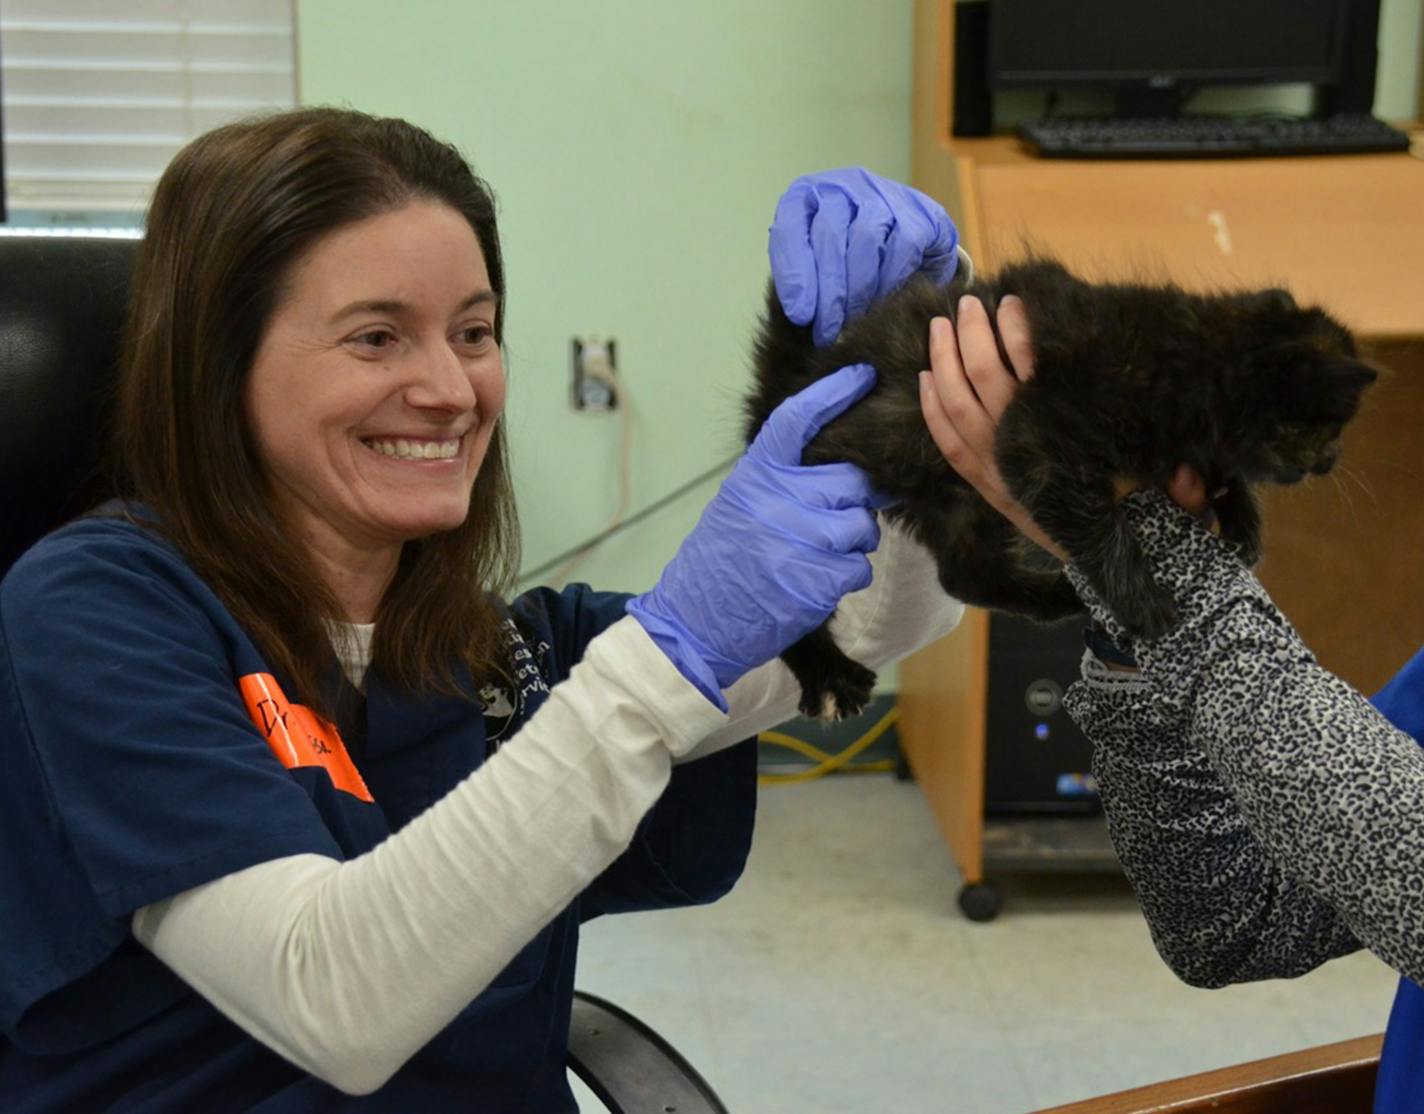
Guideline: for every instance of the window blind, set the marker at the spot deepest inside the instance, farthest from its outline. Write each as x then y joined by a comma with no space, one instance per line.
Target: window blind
99,96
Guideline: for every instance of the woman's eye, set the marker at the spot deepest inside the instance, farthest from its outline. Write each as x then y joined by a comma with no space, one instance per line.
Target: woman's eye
476,334
375,338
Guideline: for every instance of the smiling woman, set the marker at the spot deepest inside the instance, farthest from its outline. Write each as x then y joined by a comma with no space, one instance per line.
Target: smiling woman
373,421
299,813
252,250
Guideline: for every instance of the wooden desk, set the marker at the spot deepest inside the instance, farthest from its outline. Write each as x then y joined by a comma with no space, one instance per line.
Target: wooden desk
1343,231
1343,554
1336,1078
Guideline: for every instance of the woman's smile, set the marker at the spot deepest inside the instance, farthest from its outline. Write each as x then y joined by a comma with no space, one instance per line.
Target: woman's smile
414,449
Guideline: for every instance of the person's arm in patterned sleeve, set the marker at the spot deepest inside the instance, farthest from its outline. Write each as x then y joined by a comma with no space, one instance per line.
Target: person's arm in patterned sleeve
1220,908
1266,814
1326,786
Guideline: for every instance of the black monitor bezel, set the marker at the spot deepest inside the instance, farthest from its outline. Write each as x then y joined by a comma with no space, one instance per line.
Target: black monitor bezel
1158,79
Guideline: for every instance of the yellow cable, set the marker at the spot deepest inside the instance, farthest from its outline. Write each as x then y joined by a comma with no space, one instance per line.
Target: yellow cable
817,755
791,742
828,763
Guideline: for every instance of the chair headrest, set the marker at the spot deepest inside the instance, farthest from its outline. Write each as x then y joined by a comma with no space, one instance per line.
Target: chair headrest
61,313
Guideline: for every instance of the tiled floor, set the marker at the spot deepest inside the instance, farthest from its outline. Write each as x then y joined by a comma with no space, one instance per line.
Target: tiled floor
839,977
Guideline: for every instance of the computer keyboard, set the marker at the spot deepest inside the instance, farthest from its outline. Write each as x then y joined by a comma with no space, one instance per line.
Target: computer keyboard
1210,137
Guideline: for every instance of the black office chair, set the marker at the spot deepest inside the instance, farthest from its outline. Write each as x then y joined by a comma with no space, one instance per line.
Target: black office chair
61,311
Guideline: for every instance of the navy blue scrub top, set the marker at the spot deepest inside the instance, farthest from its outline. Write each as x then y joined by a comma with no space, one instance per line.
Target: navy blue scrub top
1399,1085
136,767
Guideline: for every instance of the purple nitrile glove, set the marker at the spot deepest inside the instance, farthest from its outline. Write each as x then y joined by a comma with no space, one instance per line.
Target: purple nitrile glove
774,551
842,238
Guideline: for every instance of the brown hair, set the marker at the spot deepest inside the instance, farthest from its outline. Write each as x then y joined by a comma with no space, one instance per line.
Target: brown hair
231,215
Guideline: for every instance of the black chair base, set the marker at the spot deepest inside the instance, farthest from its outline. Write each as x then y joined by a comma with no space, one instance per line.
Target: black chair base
629,1067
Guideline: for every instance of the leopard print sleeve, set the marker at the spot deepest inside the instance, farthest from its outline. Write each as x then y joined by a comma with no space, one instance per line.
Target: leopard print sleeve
1268,816
1219,908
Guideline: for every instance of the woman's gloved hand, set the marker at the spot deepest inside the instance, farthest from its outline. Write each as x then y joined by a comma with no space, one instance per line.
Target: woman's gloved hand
774,551
842,238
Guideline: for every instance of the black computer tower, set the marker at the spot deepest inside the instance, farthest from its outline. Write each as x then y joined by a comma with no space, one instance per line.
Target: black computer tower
1036,760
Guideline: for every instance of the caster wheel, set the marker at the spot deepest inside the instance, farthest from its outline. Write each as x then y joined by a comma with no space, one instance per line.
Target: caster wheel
980,901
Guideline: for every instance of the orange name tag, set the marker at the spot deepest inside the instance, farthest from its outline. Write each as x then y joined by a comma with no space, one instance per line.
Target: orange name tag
297,736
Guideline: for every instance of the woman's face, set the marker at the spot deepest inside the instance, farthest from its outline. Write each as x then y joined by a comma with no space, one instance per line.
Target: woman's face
378,381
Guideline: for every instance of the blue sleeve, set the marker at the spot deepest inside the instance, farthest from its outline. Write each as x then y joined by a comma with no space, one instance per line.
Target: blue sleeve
566,622
693,844
1401,701
132,771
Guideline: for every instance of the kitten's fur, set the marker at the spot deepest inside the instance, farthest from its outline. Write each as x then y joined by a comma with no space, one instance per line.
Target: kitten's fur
1129,381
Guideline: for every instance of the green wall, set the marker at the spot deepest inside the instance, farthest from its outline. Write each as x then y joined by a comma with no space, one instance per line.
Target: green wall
637,148
1398,81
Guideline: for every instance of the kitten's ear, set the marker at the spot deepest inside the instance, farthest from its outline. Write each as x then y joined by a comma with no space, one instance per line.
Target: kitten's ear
1350,376
1332,391
1048,267
1275,298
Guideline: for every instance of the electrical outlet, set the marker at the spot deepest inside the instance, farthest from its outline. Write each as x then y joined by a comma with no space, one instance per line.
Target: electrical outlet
595,366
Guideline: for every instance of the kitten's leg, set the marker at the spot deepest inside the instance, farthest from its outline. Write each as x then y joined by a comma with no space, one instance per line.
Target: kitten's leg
1080,512
1239,518
1102,545
833,685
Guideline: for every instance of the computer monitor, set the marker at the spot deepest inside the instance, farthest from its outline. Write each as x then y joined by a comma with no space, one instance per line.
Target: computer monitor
1155,53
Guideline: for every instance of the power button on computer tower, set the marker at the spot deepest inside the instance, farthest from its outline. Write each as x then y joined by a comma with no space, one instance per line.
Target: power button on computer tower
1043,697
1029,741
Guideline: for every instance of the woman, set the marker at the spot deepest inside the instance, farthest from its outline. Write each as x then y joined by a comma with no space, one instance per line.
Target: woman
296,810
1266,814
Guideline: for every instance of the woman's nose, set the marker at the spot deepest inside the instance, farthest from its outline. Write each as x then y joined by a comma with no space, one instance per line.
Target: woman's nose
439,380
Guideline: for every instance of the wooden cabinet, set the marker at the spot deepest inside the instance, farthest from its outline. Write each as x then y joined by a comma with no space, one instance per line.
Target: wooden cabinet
1343,554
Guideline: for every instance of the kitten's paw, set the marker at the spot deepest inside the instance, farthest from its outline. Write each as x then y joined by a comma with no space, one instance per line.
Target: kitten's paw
1249,552
841,695
814,704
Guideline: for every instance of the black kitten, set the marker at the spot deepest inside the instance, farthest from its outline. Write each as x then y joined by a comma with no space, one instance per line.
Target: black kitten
1129,381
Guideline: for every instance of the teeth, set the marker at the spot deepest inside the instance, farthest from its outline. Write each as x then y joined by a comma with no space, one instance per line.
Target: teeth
401,449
